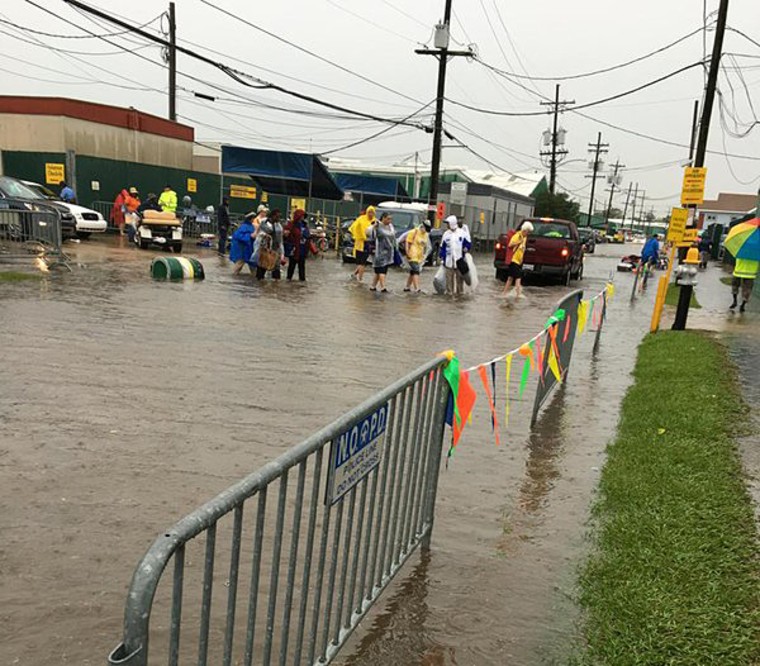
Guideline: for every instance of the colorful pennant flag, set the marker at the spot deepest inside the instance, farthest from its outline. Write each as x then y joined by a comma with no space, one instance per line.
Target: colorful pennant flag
540,358
494,423
484,378
568,322
461,400
554,365
582,316
610,290
524,376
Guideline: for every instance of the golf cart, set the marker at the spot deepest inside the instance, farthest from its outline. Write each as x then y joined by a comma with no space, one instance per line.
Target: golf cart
160,228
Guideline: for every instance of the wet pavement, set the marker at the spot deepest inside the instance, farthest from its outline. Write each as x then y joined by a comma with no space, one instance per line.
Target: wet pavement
126,403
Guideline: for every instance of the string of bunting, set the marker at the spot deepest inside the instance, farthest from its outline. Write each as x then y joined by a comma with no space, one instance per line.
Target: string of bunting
463,395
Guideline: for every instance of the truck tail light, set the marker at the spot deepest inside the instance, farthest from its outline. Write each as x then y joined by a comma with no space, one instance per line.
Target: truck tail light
565,252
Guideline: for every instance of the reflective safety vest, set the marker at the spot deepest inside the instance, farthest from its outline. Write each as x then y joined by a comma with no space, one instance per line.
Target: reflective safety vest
746,268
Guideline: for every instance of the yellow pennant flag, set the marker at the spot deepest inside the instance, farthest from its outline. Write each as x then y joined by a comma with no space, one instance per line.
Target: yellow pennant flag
554,365
506,393
610,291
582,316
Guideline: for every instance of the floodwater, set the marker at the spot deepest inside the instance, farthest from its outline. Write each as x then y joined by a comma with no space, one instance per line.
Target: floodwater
126,403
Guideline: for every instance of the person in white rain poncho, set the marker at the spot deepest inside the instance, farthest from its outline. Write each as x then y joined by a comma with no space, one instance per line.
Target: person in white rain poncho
454,244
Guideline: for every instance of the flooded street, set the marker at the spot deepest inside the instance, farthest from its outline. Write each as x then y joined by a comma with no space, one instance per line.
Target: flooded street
125,403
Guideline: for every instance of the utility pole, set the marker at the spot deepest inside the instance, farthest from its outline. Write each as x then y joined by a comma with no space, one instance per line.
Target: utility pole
694,126
684,298
172,64
627,199
613,179
633,209
557,139
598,148
641,208
442,52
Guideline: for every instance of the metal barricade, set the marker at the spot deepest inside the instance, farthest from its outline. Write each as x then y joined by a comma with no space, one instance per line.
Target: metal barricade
105,208
365,492
547,381
30,229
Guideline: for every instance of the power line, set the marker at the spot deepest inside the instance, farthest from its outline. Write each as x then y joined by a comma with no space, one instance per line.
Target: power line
603,70
308,52
588,105
60,36
235,74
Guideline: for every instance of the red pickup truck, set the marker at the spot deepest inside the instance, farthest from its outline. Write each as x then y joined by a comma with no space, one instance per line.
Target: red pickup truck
554,249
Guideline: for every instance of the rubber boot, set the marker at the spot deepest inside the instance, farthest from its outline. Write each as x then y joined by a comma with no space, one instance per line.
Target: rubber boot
734,304
743,306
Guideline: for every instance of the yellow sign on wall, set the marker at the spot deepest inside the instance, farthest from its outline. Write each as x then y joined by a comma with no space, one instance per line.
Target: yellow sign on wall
243,192
54,173
297,203
482,217
690,236
264,197
192,185
693,191
677,227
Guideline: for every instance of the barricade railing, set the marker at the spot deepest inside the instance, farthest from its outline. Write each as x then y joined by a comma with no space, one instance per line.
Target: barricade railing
301,571
105,208
30,229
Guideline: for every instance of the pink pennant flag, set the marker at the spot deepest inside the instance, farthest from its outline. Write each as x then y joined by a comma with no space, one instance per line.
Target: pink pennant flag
484,378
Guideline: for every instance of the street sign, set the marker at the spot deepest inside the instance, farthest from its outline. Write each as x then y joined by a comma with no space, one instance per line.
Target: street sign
677,227
356,452
689,236
458,194
243,192
54,173
693,191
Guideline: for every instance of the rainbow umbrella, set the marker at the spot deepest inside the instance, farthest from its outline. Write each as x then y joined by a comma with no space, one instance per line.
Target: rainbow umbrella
743,241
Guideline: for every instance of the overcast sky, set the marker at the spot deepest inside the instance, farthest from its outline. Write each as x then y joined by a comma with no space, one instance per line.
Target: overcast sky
374,41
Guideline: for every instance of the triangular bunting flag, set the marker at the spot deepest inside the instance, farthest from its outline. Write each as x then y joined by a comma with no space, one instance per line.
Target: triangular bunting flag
484,378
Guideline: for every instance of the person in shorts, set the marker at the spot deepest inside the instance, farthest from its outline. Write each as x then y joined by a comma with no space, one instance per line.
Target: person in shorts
358,230
516,247
384,236
417,246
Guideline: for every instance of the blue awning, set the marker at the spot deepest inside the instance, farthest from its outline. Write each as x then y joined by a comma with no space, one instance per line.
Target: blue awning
278,172
383,187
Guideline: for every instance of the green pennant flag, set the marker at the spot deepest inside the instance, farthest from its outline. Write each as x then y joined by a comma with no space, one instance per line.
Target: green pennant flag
451,373
524,377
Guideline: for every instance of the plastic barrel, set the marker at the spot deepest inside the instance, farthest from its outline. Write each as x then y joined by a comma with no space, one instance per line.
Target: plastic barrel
177,268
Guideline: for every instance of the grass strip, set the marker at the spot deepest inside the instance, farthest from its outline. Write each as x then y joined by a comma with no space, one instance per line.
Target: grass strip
16,276
671,298
674,575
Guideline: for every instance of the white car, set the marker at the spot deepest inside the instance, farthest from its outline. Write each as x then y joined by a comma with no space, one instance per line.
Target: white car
88,221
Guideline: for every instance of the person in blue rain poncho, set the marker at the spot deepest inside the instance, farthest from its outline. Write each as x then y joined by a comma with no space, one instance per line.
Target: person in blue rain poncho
241,245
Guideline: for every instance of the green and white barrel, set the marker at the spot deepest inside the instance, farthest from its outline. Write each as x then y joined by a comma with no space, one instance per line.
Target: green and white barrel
176,268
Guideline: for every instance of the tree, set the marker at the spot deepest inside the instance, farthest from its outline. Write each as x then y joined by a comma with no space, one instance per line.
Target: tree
614,213
557,205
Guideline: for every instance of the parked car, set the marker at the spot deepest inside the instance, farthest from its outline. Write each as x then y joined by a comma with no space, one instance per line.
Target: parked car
405,217
553,249
588,238
87,221
13,188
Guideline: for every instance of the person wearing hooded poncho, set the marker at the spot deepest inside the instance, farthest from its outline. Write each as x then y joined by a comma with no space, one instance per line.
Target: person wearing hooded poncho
297,235
241,245
454,243
358,230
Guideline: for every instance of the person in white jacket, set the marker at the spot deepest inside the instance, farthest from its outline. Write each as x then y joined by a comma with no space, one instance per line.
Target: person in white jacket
454,243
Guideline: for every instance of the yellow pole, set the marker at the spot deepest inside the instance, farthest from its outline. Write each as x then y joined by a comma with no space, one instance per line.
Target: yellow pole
662,292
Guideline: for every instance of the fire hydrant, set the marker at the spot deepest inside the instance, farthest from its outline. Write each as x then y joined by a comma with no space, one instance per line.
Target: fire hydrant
686,279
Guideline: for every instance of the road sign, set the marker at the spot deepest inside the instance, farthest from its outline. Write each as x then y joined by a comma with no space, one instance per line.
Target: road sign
54,173
243,192
677,227
693,191
356,452
458,194
689,236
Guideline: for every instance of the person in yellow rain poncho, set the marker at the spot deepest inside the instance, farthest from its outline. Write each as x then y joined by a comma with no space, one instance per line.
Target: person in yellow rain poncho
168,200
358,231
745,274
